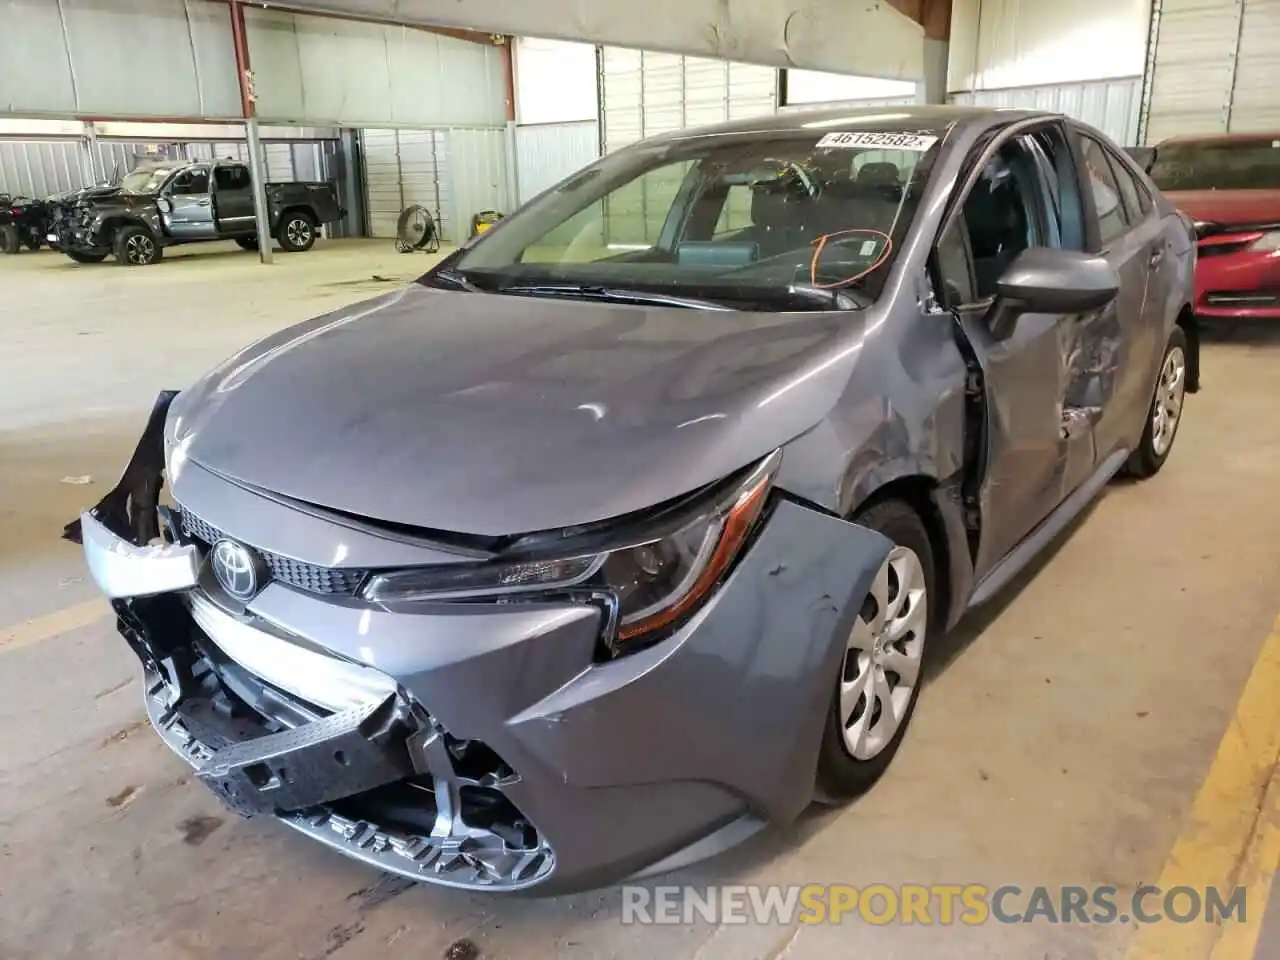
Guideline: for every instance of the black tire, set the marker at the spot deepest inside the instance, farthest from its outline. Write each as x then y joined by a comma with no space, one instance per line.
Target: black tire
842,776
1150,456
136,247
79,257
32,241
297,232
10,241
247,243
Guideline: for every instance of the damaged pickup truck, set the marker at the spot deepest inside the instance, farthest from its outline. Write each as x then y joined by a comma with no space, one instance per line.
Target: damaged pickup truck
626,531
163,204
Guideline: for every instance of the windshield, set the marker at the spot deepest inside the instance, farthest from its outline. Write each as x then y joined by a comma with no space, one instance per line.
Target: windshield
732,219
145,179
1242,165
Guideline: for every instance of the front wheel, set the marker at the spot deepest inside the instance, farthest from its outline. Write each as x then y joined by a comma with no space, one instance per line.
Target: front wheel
297,232
882,667
10,242
1165,412
136,247
33,241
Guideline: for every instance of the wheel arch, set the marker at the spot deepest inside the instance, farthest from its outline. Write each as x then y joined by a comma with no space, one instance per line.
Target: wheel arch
937,503
286,212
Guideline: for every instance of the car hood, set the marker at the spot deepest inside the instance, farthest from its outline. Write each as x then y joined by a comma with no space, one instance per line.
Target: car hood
1228,207
83,193
492,415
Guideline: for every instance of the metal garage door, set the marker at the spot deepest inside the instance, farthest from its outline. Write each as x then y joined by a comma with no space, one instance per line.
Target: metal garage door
645,93
401,167
1213,68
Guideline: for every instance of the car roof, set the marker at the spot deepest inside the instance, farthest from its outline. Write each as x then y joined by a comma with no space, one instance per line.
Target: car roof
933,119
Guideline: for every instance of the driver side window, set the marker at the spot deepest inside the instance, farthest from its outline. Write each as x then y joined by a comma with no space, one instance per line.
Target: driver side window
190,182
1004,214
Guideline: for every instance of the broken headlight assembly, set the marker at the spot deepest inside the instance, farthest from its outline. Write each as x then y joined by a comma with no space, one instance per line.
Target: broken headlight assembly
654,579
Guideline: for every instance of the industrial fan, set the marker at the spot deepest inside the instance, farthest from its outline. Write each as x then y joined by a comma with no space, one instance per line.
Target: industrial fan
416,230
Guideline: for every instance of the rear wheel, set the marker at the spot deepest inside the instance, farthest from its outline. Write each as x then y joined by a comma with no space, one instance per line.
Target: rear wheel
79,257
297,232
247,243
10,242
136,247
881,670
1165,413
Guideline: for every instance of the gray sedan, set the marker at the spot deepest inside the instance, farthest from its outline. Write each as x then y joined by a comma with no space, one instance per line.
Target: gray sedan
628,529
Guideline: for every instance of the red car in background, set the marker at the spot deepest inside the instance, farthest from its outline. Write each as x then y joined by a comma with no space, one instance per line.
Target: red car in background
1230,186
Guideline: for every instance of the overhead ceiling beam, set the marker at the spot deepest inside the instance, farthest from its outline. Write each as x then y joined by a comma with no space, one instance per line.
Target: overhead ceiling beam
881,38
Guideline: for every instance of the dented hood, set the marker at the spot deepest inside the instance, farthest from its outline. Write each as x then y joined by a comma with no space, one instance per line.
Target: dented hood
492,415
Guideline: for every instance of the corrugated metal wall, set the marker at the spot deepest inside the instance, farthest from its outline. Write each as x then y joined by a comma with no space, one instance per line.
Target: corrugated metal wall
1214,68
64,58
1110,105
369,74
37,168
454,173
53,58
548,153
1004,44
42,167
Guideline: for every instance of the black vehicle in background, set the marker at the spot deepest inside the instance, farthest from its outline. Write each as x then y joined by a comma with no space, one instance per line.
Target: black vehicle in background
163,204
23,223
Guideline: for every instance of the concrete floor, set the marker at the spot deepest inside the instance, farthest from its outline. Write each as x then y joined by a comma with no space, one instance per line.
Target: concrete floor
1059,742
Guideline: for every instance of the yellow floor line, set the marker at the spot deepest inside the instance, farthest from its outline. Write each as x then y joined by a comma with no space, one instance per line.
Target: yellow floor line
39,629
1228,824
1239,941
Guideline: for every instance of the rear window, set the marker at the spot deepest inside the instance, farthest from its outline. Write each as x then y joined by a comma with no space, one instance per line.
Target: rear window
1247,165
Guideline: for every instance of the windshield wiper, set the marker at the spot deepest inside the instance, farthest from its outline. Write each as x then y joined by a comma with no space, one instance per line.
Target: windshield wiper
807,296
589,291
456,280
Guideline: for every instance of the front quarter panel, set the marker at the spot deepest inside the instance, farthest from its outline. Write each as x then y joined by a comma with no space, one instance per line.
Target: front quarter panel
738,697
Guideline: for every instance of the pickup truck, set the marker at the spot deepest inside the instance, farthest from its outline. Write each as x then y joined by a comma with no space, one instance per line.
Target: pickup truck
163,204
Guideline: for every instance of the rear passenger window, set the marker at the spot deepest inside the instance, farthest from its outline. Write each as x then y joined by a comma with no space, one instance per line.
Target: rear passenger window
1112,221
231,178
1136,200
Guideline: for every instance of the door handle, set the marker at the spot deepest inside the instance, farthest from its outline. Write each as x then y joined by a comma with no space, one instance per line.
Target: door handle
1156,256
202,203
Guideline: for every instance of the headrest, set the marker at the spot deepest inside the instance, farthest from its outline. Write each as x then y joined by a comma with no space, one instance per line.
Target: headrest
879,173
769,207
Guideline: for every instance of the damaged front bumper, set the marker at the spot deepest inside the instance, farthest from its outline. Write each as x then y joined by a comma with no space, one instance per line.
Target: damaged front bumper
485,745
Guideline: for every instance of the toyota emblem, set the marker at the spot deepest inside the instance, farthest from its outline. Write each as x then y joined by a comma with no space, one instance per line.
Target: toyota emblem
238,569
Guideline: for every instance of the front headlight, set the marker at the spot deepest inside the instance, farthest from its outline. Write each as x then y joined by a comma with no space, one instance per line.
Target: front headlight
654,581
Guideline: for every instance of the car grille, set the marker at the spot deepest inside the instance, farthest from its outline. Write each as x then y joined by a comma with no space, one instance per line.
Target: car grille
328,581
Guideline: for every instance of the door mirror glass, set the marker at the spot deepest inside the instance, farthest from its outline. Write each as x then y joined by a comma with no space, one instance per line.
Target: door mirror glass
1050,280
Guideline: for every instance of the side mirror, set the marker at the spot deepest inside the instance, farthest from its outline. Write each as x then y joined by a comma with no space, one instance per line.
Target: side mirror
1050,280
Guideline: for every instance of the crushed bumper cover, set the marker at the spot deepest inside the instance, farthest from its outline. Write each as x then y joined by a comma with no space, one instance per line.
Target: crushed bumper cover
479,745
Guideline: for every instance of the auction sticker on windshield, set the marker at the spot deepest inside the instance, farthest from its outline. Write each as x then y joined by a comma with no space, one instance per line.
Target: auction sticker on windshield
915,142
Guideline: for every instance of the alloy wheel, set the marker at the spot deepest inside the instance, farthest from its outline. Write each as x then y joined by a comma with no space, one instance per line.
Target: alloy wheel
1166,409
884,654
140,249
299,232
